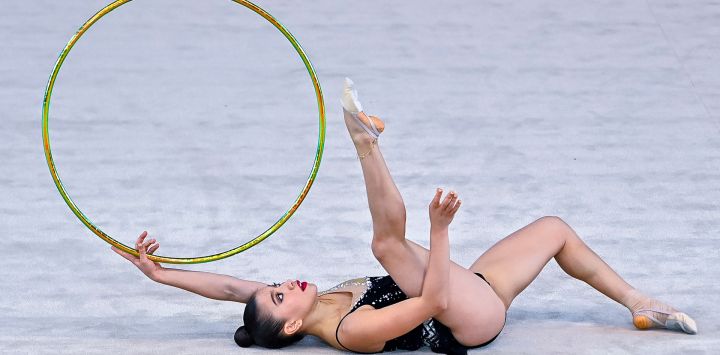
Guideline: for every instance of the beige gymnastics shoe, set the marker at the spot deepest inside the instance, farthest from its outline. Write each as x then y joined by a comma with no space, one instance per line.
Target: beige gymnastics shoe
351,105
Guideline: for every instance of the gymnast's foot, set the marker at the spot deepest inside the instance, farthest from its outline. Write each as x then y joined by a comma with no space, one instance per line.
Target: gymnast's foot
650,313
364,130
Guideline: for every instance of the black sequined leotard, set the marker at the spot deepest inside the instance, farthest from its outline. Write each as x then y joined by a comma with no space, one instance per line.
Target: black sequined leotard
382,291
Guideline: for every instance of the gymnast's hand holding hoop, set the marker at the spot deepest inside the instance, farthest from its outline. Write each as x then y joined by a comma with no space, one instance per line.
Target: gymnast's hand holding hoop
150,268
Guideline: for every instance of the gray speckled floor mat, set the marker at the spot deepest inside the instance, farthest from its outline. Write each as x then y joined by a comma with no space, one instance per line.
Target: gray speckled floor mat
196,122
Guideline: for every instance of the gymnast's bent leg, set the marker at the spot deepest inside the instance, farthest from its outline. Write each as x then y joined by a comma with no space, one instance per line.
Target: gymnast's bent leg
515,261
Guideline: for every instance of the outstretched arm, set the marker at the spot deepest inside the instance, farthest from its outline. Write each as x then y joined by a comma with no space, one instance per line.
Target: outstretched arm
210,285
216,286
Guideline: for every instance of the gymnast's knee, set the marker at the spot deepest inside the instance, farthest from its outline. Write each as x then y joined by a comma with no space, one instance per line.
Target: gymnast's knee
556,227
553,221
381,245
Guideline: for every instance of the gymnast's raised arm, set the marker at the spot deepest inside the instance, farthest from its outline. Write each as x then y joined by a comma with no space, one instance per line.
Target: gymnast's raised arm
436,284
210,285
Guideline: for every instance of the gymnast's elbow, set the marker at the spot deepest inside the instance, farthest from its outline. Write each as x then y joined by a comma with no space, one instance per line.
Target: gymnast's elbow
437,304
442,305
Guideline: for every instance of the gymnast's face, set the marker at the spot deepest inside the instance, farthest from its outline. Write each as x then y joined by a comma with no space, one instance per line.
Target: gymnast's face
288,301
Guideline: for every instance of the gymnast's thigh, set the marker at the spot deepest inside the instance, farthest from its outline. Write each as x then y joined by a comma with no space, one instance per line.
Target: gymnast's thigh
475,313
406,262
516,260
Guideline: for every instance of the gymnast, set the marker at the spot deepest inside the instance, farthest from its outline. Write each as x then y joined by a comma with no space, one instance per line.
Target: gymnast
427,299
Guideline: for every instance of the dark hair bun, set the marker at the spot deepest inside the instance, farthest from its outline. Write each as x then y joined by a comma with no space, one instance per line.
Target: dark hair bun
243,338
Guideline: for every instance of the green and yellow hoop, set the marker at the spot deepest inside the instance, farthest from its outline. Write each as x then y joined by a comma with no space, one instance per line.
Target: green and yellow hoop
186,260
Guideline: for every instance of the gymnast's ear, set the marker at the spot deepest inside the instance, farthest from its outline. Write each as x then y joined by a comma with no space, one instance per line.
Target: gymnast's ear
243,338
291,327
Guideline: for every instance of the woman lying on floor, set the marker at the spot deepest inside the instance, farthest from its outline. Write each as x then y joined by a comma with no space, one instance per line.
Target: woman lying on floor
426,299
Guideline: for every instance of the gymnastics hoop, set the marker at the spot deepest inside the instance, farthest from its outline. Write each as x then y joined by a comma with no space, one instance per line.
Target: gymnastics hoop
186,260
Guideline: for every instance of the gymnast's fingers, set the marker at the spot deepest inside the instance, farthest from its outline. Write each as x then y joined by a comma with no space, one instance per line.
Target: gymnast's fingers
436,200
153,248
140,238
141,251
457,206
125,255
451,203
148,243
447,200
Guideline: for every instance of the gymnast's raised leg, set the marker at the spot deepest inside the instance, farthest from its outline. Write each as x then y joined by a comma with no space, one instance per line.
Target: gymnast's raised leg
475,314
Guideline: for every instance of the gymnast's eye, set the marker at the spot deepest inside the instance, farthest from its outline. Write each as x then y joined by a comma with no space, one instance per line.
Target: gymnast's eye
280,296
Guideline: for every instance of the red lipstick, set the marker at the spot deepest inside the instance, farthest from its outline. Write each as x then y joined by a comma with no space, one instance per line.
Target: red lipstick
302,285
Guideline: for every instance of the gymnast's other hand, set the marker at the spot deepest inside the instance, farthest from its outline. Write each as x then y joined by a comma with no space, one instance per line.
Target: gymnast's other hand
150,268
442,213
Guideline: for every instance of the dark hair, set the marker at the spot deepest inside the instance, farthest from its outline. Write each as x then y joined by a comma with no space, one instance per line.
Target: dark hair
263,329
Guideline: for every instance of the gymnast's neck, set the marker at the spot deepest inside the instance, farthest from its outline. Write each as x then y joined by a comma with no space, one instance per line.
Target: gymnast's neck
325,315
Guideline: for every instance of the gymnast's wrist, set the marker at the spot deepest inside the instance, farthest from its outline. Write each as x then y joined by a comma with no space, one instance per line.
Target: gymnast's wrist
158,275
438,229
